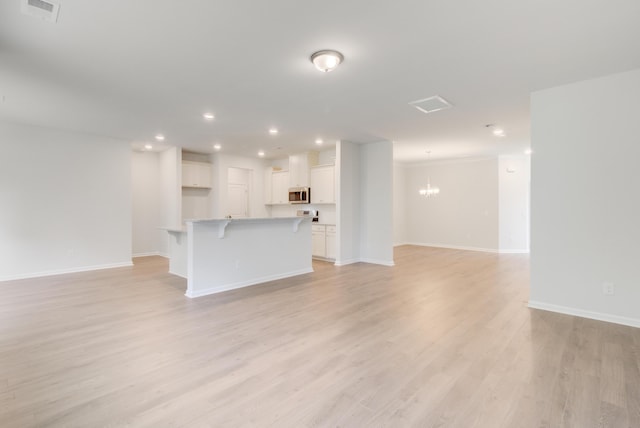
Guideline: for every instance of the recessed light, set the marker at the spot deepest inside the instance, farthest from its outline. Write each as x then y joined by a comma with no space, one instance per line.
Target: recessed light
319,141
326,60
160,137
148,146
498,132
217,146
273,131
208,116
261,153
528,152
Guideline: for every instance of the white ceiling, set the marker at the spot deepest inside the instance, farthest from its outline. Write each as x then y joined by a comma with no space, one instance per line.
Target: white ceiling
131,69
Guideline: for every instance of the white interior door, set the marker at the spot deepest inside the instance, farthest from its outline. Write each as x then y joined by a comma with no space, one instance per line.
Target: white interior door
238,198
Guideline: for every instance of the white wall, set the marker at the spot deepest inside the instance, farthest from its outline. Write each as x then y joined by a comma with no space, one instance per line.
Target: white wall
66,202
399,204
376,202
584,198
514,176
147,203
465,213
221,164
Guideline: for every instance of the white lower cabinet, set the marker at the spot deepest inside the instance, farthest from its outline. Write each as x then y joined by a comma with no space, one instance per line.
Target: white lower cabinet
323,238
331,242
318,240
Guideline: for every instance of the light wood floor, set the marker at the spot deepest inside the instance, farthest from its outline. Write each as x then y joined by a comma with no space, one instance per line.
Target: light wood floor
443,339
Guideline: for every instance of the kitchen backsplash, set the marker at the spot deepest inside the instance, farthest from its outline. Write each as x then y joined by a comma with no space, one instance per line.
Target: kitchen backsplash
326,213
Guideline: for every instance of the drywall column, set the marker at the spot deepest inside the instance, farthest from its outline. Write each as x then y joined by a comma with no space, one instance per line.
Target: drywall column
584,198
364,210
376,203
348,203
399,204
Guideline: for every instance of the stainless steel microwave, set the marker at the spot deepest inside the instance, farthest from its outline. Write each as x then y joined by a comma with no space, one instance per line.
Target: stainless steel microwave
299,195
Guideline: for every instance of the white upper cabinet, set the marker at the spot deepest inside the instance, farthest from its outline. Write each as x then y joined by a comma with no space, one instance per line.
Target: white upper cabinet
323,184
299,168
280,187
196,174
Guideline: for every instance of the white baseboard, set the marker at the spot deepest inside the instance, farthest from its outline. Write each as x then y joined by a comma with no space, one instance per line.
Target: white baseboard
322,259
364,260
254,281
378,262
64,271
458,247
149,254
399,244
178,274
632,322
346,262
454,247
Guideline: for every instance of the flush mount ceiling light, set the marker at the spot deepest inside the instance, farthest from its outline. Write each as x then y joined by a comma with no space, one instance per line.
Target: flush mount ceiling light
160,137
273,131
326,60
261,153
528,151
208,116
148,146
319,141
217,146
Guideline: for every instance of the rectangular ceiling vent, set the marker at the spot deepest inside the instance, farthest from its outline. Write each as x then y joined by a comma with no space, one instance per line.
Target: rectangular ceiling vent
431,104
45,10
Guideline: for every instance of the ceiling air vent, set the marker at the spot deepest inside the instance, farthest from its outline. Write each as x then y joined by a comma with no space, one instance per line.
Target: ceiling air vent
45,10
431,104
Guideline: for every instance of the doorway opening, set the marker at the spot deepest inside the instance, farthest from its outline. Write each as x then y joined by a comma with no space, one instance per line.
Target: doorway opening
238,192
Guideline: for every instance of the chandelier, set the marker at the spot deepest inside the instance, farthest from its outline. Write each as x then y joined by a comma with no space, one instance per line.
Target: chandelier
428,191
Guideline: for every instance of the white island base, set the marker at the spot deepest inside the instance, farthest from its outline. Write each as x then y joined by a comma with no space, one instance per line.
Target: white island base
224,254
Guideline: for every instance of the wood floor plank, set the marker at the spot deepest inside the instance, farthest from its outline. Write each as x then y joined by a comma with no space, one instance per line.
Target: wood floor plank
442,339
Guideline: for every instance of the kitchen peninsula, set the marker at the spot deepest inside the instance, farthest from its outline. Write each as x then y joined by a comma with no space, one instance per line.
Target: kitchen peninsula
223,254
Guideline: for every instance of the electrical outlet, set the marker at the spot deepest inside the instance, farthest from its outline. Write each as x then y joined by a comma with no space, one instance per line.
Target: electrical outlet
608,289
